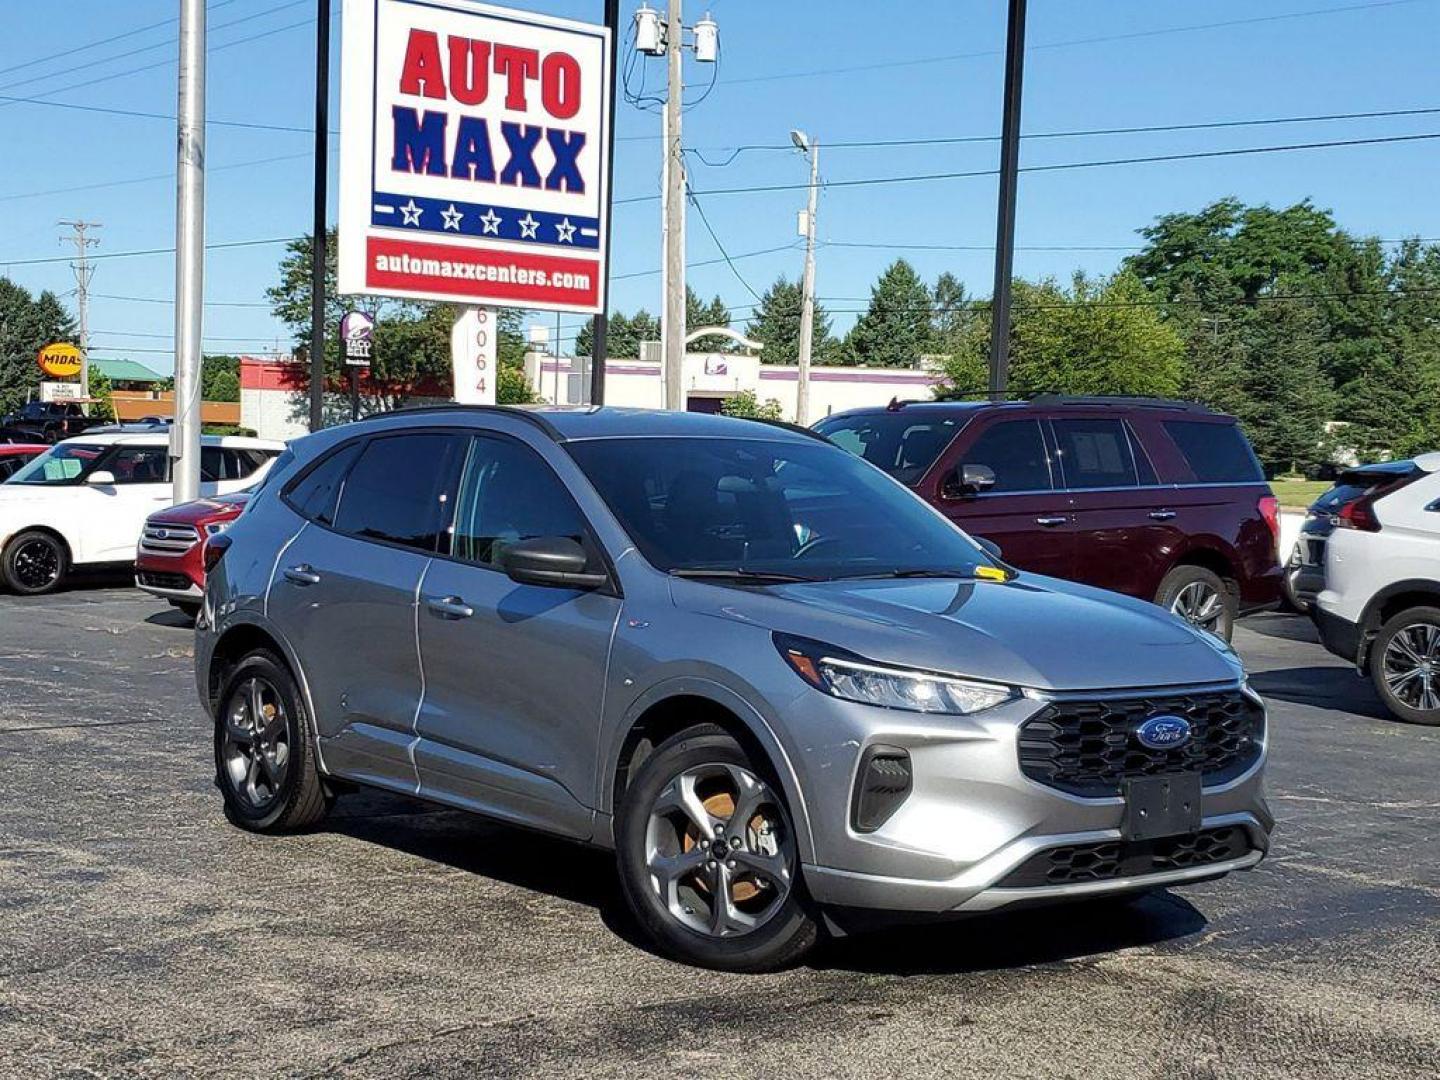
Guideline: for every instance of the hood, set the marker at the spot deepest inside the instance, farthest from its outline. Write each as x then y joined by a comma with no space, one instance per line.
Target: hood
1034,632
202,511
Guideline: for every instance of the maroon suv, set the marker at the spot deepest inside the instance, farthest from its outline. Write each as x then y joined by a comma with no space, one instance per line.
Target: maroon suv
1162,500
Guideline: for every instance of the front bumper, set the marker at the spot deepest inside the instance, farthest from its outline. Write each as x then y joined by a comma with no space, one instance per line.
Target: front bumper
974,817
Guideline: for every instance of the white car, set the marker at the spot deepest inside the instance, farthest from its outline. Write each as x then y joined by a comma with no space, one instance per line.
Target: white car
1376,586
85,500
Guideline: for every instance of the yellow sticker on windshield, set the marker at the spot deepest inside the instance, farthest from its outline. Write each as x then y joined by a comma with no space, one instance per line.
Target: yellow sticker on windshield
991,573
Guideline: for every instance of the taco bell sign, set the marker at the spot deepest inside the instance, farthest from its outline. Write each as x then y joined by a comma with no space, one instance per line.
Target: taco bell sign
473,142
357,330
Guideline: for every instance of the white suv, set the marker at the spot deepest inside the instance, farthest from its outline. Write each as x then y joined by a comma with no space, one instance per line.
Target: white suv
85,500
1377,586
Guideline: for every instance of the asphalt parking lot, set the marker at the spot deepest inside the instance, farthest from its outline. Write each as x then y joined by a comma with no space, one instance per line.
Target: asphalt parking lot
140,935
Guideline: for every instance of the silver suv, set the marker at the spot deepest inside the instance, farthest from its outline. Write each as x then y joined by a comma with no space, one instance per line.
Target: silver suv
778,684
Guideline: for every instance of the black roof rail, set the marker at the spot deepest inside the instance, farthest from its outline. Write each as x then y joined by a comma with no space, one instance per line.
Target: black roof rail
529,416
1118,399
790,425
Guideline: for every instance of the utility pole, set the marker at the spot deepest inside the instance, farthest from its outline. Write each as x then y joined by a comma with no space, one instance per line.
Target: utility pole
1005,217
807,308
83,273
318,237
674,330
599,339
189,252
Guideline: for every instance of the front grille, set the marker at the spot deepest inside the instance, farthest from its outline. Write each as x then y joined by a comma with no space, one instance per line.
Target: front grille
158,580
1088,747
1107,860
161,539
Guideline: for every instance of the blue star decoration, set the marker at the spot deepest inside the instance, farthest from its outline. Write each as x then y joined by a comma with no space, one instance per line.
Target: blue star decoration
565,232
490,222
452,217
411,213
528,225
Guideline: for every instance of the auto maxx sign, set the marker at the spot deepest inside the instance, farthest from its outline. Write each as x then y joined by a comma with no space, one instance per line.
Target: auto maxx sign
472,158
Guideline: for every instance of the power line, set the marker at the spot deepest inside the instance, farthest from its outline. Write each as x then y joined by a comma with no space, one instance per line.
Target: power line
169,42
149,179
1048,247
104,41
154,251
1142,129
690,193
11,99
1104,39
1196,155
171,302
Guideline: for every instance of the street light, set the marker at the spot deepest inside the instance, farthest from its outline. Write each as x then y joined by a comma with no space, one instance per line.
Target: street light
801,141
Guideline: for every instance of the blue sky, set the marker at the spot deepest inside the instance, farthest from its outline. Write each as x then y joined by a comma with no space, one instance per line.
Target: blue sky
1090,64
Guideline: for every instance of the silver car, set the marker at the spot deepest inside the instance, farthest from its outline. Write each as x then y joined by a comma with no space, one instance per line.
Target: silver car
781,687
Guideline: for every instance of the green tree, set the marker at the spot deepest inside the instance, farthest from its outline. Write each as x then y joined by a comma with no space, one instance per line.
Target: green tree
103,395
27,324
896,329
698,314
412,338
776,325
747,404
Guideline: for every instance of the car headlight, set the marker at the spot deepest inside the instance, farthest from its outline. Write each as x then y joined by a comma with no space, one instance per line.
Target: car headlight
843,675
215,528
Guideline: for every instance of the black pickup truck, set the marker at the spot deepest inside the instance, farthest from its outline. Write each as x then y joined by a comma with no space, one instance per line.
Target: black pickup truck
50,421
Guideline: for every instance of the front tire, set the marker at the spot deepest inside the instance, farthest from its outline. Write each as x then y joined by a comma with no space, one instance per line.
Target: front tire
1405,665
707,857
34,562
1200,597
265,763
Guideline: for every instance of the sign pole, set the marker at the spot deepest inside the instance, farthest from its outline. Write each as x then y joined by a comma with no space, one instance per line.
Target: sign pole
189,252
318,238
354,394
598,340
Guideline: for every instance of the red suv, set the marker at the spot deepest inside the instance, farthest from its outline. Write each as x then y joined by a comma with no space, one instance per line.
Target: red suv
1162,500
170,559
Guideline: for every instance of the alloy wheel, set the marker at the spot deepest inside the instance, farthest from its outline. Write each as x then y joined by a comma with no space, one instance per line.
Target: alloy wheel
719,852
1412,666
36,564
256,743
1200,605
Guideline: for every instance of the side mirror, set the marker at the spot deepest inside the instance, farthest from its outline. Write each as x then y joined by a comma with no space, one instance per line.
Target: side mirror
989,547
101,478
554,561
968,480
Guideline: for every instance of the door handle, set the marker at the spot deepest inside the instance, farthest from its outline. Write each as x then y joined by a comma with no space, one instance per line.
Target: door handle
1161,515
302,575
1051,522
449,607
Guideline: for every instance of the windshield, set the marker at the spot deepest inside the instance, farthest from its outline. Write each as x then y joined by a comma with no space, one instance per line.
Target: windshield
903,444
803,510
63,464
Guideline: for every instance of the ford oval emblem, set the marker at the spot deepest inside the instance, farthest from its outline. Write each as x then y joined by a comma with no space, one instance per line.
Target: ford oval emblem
1164,732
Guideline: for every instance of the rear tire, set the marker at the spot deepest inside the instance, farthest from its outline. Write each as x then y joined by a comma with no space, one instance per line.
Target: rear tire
1200,597
1405,665
265,765
764,923
34,562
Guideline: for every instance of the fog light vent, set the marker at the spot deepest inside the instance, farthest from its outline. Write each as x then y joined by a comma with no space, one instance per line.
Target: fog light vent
882,783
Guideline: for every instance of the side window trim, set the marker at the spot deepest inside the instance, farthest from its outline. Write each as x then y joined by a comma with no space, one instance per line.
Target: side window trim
1137,451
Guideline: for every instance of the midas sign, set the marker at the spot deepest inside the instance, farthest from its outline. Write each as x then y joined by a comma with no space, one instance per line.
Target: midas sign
473,150
59,360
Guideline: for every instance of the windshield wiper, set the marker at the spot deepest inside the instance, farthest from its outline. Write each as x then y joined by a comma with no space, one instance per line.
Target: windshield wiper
912,574
738,574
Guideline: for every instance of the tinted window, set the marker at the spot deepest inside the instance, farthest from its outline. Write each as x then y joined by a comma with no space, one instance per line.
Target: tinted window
1094,454
507,494
799,509
139,465
395,491
1143,469
1216,453
903,444
1015,449
316,493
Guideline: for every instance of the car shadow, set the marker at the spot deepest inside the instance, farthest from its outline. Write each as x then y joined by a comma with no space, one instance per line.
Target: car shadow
1284,626
1335,689
171,618
584,875
1023,938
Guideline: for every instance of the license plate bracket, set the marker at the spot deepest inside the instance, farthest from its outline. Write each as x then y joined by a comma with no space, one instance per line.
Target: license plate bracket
1159,806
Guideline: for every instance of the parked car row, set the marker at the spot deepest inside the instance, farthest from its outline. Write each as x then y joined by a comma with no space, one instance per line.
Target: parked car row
84,501
49,421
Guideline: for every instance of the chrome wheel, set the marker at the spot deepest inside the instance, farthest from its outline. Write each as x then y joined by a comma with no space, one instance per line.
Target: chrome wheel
719,851
35,564
255,745
1411,666
1199,604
